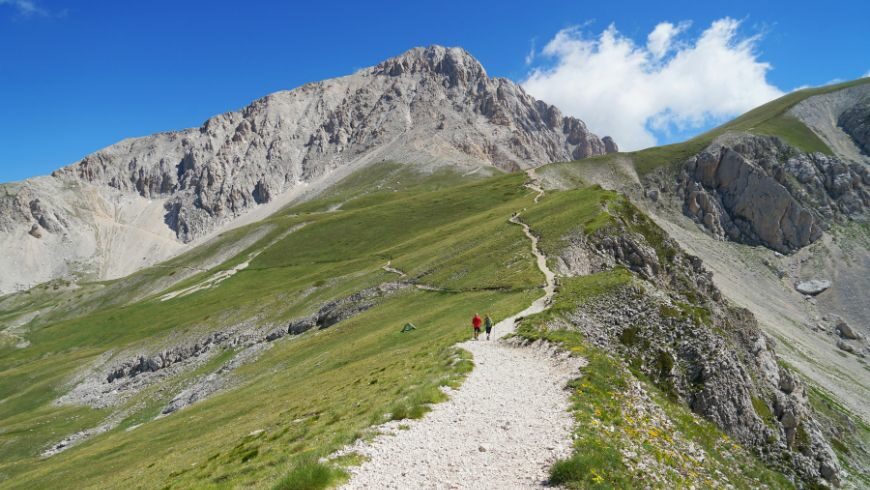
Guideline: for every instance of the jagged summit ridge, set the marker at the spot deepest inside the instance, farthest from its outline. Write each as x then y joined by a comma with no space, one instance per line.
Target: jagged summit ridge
428,106
455,63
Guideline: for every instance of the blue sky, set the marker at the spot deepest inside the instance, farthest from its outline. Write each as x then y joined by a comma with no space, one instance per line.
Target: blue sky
78,76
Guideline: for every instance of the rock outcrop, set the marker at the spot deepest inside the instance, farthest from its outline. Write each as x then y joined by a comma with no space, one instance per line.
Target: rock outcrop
760,191
112,383
337,310
428,106
856,123
672,324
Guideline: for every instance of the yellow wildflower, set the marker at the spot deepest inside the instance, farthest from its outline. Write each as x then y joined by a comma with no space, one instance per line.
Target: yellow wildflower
596,477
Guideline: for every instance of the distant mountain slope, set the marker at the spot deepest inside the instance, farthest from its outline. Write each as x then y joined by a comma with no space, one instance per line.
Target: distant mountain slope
136,202
776,176
778,196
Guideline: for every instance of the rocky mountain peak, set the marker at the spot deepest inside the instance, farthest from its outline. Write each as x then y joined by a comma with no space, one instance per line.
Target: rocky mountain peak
430,106
455,64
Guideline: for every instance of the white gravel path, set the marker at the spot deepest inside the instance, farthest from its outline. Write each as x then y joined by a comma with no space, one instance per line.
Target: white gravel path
502,429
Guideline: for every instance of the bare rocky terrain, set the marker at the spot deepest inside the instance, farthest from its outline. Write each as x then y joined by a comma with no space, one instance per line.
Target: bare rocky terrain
146,199
840,119
760,191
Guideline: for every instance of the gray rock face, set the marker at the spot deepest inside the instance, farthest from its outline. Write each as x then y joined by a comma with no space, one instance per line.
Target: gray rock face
812,287
760,191
22,204
856,123
609,145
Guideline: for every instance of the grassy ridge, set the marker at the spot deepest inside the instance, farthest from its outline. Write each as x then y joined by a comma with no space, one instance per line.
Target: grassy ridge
768,119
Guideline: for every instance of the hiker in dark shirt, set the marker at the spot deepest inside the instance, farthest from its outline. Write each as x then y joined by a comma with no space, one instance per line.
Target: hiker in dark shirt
487,325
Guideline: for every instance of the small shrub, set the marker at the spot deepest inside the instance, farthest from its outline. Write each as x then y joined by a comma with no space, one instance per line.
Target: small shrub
839,445
664,363
762,410
399,412
418,411
802,438
249,455
310,474
628,337
591,466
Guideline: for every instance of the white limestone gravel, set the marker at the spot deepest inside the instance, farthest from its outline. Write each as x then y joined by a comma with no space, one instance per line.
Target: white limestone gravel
502,429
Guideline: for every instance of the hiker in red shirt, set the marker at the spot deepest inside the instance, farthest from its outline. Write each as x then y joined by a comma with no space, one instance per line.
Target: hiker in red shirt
475,322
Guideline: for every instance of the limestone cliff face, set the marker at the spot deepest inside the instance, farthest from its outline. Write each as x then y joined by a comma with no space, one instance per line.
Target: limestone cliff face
759,190
429,106
855,122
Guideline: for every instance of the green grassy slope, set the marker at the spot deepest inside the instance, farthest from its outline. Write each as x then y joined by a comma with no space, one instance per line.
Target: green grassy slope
309,394
768,119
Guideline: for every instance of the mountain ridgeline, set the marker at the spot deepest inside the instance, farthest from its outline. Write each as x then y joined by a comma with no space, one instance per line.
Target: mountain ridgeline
433,105
429,106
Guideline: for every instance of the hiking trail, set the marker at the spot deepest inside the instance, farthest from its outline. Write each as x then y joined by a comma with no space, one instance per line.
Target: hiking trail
503,428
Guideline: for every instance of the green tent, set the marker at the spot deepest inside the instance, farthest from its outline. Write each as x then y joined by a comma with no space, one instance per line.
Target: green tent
408,327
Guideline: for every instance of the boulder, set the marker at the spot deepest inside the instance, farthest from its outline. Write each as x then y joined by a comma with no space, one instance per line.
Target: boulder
845,347
813,286
844,330
830,474
632,251
787,383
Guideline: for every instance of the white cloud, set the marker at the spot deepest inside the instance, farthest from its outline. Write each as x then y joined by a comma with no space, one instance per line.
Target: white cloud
660,39
25,7
866,75
832,81
631,92
531,56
